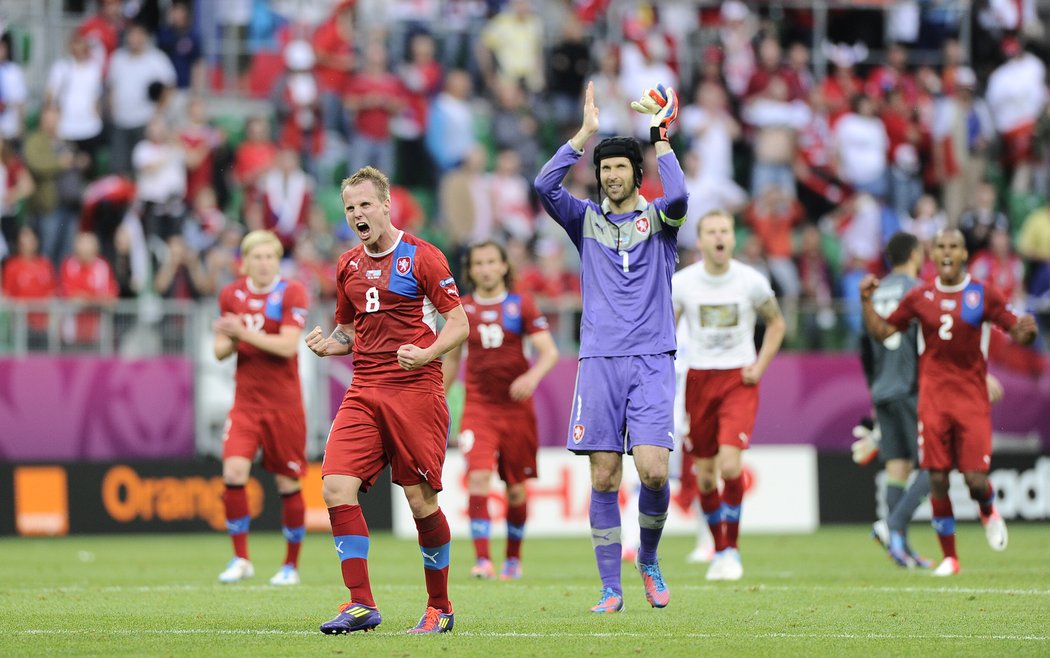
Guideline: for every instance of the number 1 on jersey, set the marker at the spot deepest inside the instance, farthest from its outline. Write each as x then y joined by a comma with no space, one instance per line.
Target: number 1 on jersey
372,300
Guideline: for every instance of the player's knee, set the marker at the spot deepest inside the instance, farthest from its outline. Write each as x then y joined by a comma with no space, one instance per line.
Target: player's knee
654,477
605,480
337,493
516,495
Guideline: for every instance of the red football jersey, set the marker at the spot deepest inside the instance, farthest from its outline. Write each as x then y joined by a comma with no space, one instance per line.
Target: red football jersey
955,322
264,379
495,355
392,299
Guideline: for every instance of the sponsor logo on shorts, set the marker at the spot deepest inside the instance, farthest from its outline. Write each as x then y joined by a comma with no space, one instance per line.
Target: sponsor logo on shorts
404,264
578,432
743,438
642,224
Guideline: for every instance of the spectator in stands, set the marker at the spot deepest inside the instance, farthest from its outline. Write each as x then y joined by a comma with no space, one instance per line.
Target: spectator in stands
421,79
133,70
979,221
926,220
319,231
206,221
858,222
297,103
178,39
860,148
771,66
405,212
310,268
773,216
1000,267
13,93
735,34
798,61
74,88
515,126
465,204
130,261
179,271
160,174
707,192
549,279
775,121
373,97
893,75
819,188
222,263
333,43
450,124
199,141
255,155
15,185
817,314
843,85
609,94
104,30
711,129
86,277
58,186
905,134
28,275
961,133
570,64
511,202
510,48
1016,96
953,58
287,193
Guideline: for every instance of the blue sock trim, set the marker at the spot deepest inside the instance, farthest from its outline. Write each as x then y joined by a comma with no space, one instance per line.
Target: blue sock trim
436,558
294,535
480,528
515,531
351,546
730,513
713,517
943,525
238,526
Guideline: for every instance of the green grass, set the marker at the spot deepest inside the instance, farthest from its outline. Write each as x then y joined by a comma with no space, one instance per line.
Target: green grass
831,593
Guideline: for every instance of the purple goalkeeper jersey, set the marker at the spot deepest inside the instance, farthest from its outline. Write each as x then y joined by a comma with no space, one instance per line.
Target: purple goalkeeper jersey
626,260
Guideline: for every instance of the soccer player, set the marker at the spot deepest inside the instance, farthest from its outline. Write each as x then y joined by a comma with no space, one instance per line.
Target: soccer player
890,367
720,298
390,290
955,425
624,398
498,427
262,317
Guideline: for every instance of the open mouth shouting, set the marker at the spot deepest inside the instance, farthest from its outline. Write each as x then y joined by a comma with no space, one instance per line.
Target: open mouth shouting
363,230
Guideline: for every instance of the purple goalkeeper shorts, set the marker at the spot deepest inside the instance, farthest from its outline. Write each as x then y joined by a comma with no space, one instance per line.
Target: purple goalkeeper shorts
621,402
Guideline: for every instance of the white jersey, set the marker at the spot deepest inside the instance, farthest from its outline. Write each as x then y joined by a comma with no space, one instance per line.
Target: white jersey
720,313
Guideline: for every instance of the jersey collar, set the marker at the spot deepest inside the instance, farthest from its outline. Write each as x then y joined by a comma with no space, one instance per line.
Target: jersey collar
489,301
262,291
400,234
956,288
641,205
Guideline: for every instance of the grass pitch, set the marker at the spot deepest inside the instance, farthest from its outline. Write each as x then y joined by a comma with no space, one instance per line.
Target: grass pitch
831,593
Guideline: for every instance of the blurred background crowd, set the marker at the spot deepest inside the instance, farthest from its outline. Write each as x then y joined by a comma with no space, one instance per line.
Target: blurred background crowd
147,136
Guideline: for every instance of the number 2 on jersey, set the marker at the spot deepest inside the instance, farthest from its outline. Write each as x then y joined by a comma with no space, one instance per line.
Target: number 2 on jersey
372,300
945,332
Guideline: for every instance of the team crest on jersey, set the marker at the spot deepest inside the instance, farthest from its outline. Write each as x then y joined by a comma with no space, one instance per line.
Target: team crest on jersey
404,264
642,224
577,433
972,299
512,310
275,298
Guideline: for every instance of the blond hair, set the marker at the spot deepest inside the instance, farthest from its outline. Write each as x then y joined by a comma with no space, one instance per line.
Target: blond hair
259,237
379,181
717,212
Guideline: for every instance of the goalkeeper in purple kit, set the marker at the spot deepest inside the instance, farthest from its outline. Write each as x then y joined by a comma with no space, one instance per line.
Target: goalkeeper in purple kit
624,398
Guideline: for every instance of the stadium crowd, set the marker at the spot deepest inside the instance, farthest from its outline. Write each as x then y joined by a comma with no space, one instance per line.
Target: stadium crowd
122,179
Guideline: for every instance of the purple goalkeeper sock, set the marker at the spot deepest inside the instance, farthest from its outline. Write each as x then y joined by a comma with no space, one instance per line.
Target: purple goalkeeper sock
652,513
605,535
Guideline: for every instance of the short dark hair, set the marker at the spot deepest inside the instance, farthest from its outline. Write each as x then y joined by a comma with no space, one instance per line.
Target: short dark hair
900,248
469,253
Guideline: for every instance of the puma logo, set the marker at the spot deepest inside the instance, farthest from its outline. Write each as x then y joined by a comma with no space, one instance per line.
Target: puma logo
339,548
433,558
600,536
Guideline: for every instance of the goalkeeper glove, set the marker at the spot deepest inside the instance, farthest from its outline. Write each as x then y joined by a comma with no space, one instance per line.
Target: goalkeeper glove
662,103
866,448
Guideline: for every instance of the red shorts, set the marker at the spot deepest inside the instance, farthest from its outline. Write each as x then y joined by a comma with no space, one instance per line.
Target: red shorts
376,426
721,409
500,435
955,435
281,433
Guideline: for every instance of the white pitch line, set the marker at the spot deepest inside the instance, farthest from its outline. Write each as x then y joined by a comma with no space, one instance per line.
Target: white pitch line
553,635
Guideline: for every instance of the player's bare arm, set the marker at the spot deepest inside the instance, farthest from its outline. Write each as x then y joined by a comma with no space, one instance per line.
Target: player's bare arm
877,327
450,367
283,344
223,346
1024,331
340,343
411,357
589,127
524,386
995,388
769,311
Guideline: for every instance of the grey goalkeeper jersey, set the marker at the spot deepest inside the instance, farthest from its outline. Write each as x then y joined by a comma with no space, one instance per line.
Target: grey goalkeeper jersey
891,365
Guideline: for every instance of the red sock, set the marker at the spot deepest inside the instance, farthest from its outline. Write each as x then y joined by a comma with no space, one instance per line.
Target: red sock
350,533
732,497
435,542
293,520
480,524
235,501
711,504
987,503
516,516
944,524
